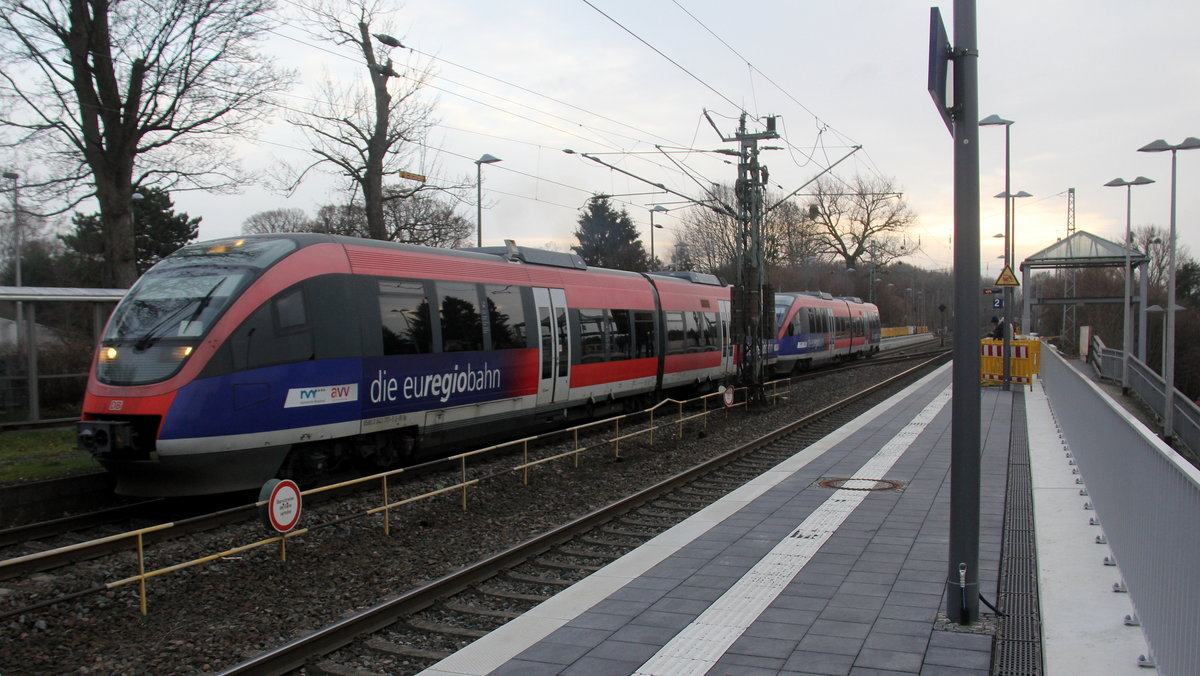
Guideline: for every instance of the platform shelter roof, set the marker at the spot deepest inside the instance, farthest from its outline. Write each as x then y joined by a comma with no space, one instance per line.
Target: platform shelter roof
1084,250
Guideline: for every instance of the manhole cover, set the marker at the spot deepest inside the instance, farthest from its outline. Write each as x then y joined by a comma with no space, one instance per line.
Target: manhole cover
862,484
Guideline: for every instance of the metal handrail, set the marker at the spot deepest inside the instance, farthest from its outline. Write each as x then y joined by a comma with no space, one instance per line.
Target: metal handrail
1148,500
387,504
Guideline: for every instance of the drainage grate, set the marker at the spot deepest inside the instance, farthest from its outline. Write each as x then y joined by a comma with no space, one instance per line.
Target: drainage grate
1017,650
861,484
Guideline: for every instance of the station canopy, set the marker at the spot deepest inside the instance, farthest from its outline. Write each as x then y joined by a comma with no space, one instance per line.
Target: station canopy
1083,250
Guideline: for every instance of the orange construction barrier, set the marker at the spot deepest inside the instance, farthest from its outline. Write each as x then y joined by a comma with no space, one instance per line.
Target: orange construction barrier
1024,361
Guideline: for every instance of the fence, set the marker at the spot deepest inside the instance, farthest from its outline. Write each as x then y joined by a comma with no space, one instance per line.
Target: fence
670,413
1148,500
1151,389
46,348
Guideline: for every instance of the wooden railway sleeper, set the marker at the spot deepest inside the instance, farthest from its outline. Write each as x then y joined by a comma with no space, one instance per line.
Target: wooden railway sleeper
603,556
566,565
482,612
536,579
615,544
644,534
500,593
447,629
392,648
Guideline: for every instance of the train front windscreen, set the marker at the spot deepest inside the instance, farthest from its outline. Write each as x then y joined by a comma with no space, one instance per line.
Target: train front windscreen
158,324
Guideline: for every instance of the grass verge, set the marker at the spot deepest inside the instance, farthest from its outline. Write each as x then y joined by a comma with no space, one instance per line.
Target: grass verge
29,455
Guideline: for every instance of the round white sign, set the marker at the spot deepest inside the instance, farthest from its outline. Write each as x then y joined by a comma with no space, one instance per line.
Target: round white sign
282,509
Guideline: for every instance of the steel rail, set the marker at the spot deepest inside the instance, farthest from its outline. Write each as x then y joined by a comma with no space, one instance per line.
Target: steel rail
296,654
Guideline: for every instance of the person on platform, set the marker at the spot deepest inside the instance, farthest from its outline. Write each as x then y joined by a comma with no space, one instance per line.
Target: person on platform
997,329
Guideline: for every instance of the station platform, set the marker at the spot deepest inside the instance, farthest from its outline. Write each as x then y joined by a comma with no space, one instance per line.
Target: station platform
788,576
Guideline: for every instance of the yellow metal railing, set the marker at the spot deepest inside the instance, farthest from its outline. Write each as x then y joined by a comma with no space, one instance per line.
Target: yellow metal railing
671,421
1024,361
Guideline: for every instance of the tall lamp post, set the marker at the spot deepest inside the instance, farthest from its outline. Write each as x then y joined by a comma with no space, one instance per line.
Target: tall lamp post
995,121
1127,333
16,209
486,159
1189,143
662,209
1010,236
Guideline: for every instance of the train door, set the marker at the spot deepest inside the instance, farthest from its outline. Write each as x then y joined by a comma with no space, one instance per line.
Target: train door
728,362
554,345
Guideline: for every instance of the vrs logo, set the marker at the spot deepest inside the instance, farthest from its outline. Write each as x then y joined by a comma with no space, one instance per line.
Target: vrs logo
317,396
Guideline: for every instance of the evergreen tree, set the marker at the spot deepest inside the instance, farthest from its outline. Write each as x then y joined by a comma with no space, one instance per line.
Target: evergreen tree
158,232
608,238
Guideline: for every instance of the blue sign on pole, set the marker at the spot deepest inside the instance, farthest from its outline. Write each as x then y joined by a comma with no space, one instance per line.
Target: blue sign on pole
939,66
997,303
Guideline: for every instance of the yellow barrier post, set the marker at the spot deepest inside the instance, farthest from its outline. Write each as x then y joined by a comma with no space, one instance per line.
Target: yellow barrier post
141,572
387,513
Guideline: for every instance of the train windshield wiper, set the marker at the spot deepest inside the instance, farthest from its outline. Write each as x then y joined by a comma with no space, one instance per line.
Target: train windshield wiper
152,335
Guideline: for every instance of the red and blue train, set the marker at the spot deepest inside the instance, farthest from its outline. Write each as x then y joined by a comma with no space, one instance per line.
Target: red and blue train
237,360
815,328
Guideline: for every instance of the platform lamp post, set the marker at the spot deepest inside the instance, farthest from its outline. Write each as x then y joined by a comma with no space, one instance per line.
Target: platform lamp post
661,209
1010,232
1127,332
16,221
486,159
995,121
1189,143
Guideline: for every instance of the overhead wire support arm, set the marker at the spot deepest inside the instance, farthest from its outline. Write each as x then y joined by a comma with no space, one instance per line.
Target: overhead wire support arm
724,209
810,181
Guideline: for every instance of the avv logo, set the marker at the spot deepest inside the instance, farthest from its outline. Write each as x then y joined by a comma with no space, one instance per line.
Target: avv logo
317,396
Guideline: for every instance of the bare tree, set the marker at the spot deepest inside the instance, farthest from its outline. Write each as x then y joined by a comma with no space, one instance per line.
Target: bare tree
863,219
346,219
279,220
367,134
1155,243
426,219
788,234
113,95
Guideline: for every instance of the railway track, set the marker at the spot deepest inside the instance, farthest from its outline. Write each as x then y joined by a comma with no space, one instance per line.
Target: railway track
87,501
416,629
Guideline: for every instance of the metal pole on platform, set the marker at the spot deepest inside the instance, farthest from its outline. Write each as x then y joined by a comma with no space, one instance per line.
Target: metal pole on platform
1189,143
962,580
1127,332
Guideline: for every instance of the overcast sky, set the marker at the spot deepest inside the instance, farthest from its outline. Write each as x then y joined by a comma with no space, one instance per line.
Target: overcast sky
1087,84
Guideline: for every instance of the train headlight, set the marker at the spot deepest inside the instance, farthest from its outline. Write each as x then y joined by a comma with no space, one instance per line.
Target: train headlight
182,353
108,354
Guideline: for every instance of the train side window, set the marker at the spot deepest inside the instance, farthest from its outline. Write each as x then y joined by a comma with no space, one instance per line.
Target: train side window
289,310
506,316
591,335
709,340
644,335
462,326
404,316
676,336
619,346
693,330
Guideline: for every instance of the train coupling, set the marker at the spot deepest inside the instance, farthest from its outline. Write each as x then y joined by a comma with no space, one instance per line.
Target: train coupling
103,437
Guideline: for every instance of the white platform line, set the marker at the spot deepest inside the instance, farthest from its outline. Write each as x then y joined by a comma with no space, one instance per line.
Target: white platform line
698,647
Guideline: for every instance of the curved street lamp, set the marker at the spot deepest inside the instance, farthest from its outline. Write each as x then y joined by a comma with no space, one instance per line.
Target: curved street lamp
1189,143
659,208
486,159
1127,329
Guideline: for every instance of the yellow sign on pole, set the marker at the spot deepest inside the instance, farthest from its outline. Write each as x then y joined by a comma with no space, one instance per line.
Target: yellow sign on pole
1007,278
411,176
